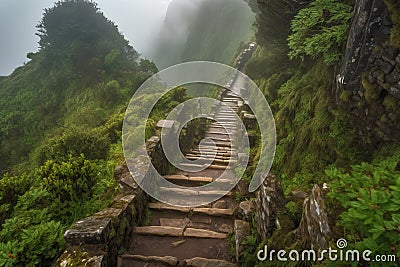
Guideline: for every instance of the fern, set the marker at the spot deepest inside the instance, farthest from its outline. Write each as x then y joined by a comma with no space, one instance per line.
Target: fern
319,30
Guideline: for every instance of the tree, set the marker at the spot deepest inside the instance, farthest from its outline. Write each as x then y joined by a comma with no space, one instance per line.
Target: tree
78,31
320,30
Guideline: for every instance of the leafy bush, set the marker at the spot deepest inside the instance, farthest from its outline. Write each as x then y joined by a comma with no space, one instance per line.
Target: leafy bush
370,196
31,237
93,144
71,180
11,187
319,30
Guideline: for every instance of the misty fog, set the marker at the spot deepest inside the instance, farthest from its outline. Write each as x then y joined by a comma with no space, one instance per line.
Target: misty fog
139,20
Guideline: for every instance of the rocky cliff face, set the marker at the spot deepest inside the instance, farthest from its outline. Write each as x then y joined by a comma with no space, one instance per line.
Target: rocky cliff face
369,76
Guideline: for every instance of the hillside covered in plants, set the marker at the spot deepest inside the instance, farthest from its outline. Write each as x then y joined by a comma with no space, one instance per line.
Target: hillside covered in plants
331,76
61,121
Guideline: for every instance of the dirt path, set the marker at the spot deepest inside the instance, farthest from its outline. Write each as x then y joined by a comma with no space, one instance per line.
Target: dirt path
191,237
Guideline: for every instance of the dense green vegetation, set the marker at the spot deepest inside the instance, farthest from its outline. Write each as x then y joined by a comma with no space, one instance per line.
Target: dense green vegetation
60,133
320,30
294,66
62,112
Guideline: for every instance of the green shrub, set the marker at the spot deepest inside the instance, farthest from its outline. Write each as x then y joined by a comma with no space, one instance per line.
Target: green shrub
320,30
69,181
11,187
93,144
370,198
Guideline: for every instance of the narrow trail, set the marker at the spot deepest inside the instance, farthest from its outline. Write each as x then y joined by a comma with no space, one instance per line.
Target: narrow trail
181,236
192,236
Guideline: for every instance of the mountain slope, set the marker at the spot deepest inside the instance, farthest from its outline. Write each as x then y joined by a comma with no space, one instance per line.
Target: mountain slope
203,30
83,73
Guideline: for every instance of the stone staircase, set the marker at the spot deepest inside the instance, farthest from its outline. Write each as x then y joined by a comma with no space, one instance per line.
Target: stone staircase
180,236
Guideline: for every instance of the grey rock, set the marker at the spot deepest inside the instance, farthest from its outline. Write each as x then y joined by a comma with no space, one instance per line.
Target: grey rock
314,230
378,62
242,230
392,52
371,78
245,210
243,187
87,255
118,170
398,59
220,204
89,231
386,30
387,67
394,91
226,229
393,77
269,203
356,98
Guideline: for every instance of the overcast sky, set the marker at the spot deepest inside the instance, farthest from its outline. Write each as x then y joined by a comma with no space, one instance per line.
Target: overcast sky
138,20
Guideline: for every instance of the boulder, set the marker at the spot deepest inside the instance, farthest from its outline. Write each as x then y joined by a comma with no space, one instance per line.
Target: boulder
242,230
314,231
245,210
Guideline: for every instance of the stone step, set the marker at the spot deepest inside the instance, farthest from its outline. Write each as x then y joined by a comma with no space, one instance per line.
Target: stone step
127,260
225,117
208,167
219,139
188,179
222,161
176,232
209,153
219,127
192,192
218,144
203,262
212,148
224,125
220,133
205,211
197,179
